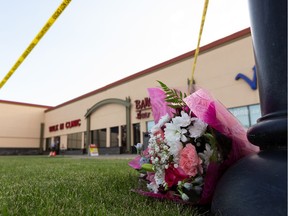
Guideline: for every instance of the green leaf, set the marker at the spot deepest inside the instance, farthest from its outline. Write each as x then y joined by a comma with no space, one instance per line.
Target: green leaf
148,167
174,98
213,142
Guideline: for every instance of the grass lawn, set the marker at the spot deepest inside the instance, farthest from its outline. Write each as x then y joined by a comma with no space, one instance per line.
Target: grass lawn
39,185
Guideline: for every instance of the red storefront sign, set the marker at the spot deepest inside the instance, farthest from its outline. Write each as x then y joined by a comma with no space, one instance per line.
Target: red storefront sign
141,107
68,124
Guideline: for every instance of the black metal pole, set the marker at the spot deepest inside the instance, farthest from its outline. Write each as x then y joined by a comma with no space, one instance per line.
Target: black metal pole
269,34
257,184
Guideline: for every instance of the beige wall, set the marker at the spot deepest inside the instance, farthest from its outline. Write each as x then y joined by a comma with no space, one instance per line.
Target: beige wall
216,70
20,125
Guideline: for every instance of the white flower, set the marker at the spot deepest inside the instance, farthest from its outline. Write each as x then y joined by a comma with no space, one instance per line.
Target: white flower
139,146
157,149
198,128
197,189
153,187
175,150
174,133
164,119
160,176
182,121
163,160
157,127
207,153
184,197
187,185
198,180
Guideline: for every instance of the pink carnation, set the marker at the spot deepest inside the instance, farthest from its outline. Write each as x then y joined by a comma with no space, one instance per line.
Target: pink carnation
190,161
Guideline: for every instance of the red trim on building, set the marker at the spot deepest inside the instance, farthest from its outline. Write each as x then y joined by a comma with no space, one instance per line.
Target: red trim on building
230,38
25,104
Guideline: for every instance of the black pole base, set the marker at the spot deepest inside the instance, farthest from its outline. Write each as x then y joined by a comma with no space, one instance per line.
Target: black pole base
255,185
270,132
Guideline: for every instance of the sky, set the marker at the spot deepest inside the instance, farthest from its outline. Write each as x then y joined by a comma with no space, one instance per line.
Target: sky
94,43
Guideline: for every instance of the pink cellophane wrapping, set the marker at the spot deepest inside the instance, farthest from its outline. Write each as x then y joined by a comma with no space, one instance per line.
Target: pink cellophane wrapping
135,163
158,103
218,117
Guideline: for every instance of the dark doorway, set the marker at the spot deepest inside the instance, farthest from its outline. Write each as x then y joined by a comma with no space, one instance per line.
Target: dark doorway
124,139
57,140
136,136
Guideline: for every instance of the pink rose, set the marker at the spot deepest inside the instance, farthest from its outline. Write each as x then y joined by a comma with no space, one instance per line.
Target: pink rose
190,161
173,175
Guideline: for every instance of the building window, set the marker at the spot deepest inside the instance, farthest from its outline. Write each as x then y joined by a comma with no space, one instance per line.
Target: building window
98,137
114,134
93,139
74,141
247,115
149,125
255,113
241,113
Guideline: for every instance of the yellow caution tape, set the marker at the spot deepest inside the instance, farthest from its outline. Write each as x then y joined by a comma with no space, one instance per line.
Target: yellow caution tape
42,32
199,39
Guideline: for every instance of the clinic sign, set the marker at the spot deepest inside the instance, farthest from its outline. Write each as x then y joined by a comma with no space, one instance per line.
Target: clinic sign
143,108
67,125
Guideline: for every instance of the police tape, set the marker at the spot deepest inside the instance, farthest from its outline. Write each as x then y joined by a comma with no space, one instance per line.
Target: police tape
34,42
199,39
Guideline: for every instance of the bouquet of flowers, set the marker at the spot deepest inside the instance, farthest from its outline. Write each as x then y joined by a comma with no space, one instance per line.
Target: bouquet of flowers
194,141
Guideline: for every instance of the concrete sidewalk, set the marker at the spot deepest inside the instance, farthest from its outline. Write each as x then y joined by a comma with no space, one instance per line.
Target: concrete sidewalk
119,156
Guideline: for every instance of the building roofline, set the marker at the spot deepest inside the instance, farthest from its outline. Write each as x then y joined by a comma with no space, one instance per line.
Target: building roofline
25,104
182,57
